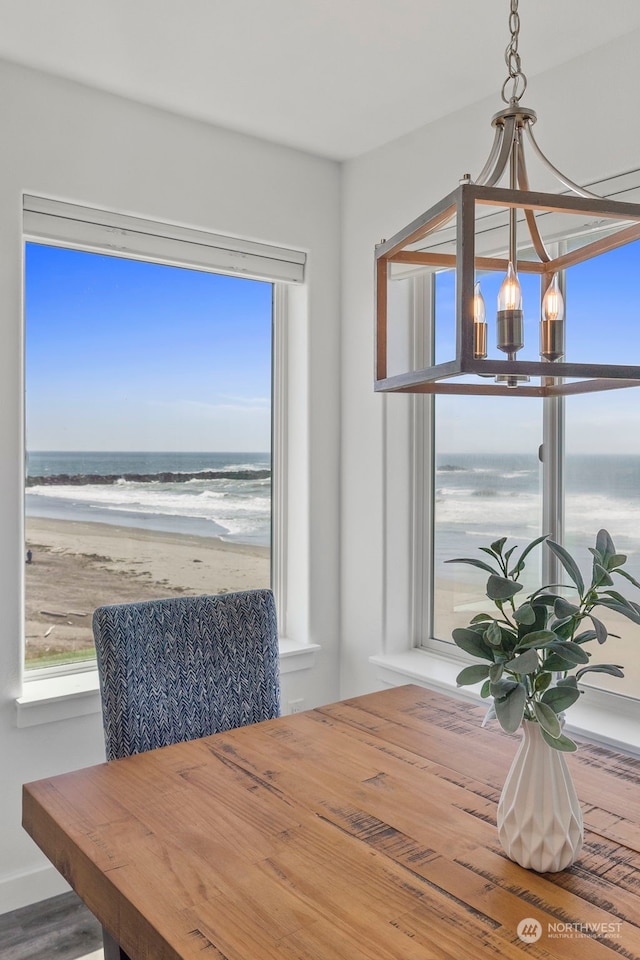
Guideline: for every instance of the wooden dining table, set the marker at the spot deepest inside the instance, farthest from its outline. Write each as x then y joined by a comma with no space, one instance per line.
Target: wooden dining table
361,830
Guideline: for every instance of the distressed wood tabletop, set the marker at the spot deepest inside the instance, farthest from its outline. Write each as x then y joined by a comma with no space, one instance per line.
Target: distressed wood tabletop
363,830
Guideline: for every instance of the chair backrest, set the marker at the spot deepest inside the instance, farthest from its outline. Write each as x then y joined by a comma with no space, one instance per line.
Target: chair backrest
186,667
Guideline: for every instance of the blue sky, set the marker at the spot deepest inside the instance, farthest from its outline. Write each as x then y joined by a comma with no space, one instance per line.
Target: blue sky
128,355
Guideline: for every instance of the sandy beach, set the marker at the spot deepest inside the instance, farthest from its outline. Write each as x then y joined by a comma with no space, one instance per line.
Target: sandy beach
77,567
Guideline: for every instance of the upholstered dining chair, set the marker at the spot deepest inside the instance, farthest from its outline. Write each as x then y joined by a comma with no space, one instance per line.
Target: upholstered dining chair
186,667
177,669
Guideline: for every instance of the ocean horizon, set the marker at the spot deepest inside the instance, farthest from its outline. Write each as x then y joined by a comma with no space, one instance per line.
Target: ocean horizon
206,494
478,498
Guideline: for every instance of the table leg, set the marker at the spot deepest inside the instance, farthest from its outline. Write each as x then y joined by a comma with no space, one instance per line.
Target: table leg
112,950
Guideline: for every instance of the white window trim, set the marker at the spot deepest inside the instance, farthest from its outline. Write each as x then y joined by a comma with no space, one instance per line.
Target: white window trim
600,715
73,691
100,231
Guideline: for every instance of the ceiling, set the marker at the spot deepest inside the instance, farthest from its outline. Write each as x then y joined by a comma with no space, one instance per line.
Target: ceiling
333,77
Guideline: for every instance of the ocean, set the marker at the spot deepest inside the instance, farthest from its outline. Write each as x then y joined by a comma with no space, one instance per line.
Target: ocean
226,495
482,497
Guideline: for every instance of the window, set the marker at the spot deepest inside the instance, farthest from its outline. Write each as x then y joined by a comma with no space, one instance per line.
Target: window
148,418
522,467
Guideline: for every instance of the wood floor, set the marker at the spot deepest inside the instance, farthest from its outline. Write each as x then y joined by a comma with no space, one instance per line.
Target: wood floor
57,929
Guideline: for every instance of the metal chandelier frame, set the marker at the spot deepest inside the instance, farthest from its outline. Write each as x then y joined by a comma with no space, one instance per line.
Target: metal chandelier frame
416,245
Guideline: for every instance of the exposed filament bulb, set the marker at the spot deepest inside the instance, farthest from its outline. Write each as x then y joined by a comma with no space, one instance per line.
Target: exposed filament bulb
552,323
510,295
479,324
510,318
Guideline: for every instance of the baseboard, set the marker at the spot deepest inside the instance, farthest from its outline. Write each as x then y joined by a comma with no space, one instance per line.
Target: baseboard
20,890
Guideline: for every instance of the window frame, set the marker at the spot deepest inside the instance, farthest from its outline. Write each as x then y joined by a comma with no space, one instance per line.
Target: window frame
602,715
71,226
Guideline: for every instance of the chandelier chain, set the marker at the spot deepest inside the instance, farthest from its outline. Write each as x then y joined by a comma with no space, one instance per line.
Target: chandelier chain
512,59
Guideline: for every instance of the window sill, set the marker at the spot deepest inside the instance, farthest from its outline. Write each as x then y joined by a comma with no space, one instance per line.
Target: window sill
296,656
70,695
599,716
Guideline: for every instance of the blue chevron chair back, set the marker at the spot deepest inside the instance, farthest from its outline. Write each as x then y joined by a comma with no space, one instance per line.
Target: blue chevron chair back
186,667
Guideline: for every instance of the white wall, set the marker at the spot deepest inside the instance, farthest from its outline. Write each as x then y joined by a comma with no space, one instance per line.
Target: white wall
588,128
65,141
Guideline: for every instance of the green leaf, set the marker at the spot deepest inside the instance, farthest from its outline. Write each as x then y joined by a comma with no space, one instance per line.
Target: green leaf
599,629
481,618
493,634
557,664
526,663
585,636
471,642
568,563
542,681
525,614
497,545
502,688
627,576
546,599
507,555
561,698
572,652
527,550
615,595
601,576
627,611
498,588
473,674
537,639
495,672
568,682
604,544
617,560
486,689
560,743
563,628
613,669
563,609
474,563
547,718
510,709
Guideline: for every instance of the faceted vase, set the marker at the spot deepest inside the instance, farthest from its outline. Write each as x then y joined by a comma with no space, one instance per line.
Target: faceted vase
539,817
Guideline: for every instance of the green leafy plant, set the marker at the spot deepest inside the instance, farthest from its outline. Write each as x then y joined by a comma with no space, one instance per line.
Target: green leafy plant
536,651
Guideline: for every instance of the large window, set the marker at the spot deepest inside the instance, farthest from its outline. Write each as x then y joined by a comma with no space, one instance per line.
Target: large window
487,485
148,422
522,467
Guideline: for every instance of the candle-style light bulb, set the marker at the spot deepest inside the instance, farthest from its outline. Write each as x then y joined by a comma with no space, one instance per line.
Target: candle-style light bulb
479,324
510,295
510,317
552,323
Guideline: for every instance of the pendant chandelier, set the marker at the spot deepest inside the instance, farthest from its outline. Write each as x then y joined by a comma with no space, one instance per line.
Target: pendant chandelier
482,231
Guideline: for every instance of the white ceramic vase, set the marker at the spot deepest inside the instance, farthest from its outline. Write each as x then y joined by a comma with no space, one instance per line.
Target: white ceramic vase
539,816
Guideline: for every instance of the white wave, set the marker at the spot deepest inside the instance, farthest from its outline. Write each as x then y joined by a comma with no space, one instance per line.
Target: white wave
585,513
458,492
469,510
229,509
